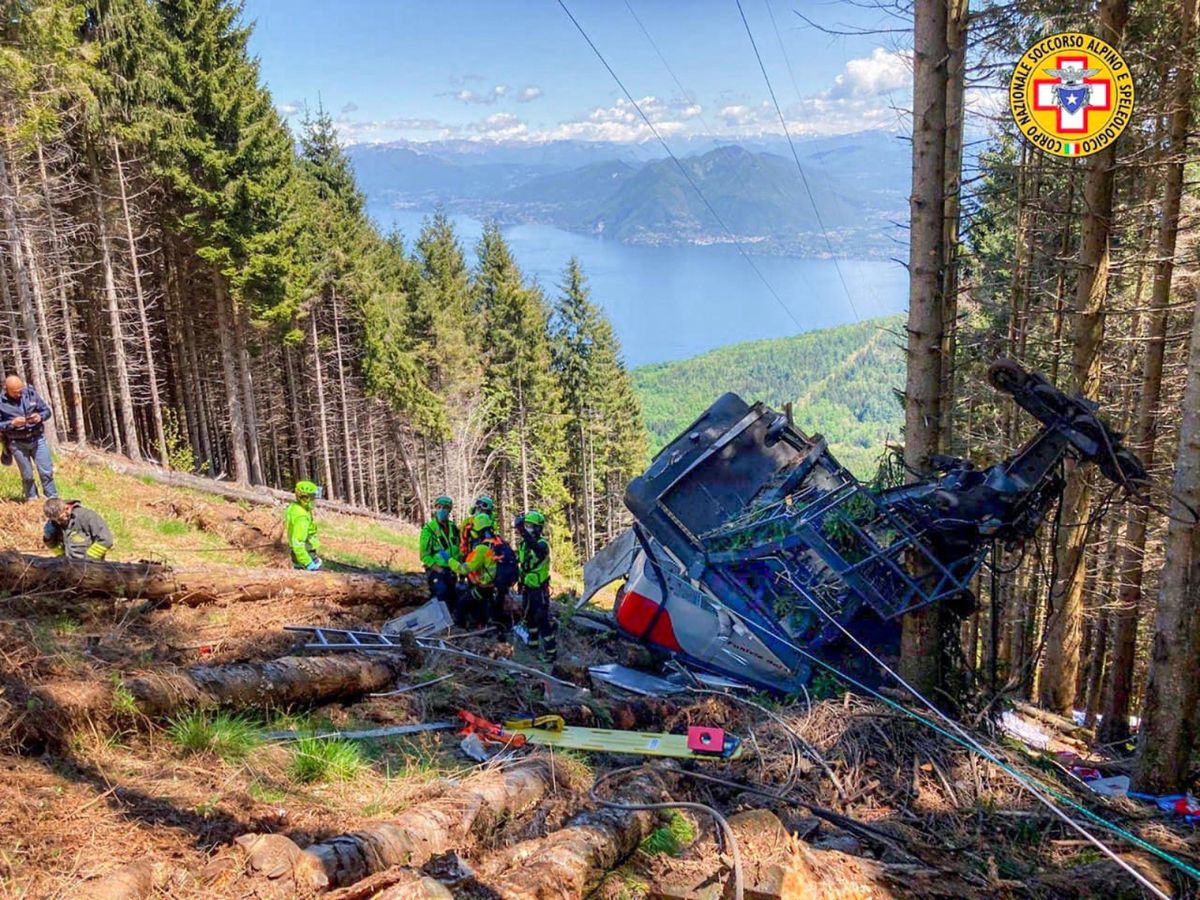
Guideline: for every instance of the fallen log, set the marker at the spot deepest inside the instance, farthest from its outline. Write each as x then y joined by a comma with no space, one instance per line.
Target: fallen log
132,882
24,573
229,523
412,838
572,861
51,710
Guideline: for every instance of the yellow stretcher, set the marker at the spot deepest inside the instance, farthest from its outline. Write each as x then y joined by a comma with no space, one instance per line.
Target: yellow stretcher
633,743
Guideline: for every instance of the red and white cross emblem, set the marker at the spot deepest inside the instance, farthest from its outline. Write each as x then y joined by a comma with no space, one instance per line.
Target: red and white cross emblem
1068,122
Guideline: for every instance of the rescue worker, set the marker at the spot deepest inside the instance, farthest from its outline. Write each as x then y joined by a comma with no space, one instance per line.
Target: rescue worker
533,566
483,504
440,553
301,528
491,570
74,531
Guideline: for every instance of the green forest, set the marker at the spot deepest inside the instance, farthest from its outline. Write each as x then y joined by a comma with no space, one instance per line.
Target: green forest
188,281
842,382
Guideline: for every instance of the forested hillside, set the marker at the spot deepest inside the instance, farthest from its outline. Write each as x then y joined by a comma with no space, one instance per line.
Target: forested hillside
186,280
841,381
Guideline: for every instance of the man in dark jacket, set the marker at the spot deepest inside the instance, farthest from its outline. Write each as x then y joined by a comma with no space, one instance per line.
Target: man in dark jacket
74,531
23,416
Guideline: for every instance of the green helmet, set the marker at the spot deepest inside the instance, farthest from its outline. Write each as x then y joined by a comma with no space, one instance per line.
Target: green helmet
533,517
484,503
482,521
443,501
306,489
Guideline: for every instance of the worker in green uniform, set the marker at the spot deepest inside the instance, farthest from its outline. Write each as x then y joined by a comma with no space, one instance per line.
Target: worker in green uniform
301,528
483,504
74,531
533,566
440,552
491,569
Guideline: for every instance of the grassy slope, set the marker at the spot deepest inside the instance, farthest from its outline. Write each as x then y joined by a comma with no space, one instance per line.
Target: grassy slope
143,530
842,381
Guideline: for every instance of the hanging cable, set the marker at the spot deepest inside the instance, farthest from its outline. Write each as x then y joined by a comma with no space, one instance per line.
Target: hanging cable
682,169
796,156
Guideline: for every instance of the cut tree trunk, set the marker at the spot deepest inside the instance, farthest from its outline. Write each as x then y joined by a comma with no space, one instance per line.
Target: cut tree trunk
476,807
24,573
132,882
59,706
229,523
571,862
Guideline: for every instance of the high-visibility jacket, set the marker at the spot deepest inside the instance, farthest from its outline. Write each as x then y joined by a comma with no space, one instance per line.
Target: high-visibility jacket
436,538
85,536
480,564
301,530
533,562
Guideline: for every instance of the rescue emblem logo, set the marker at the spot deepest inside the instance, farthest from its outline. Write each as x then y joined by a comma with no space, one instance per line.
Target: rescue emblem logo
1071,94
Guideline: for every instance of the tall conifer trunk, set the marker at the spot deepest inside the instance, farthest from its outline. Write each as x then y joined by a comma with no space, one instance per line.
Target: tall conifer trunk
230,378
135,270
1056,687
921,640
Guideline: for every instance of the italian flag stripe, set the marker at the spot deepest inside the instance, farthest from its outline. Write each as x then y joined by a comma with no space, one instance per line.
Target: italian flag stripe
1070,149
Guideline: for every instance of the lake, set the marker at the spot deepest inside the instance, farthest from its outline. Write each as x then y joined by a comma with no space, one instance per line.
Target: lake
674,302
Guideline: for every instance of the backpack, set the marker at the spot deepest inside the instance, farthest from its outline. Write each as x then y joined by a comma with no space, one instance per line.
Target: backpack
506,562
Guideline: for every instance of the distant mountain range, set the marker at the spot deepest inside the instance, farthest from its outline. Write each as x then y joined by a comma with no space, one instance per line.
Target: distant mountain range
634,194
842,382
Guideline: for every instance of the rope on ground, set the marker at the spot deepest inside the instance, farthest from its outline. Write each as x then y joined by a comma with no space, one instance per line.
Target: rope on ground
729,837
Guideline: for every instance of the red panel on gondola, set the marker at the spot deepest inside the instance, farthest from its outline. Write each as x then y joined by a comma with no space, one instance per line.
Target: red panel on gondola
635,614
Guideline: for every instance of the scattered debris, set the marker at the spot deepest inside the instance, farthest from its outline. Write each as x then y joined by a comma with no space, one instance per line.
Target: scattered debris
634,681
430,619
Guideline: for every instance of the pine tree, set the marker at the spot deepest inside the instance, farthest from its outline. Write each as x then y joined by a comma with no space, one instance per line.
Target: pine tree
606,442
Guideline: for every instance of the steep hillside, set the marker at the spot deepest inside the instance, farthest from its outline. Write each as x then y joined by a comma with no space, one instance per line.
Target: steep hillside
841,381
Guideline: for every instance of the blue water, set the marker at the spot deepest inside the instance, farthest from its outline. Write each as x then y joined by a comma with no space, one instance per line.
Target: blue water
674,302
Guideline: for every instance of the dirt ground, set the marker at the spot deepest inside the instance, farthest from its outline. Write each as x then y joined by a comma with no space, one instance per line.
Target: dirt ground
872,803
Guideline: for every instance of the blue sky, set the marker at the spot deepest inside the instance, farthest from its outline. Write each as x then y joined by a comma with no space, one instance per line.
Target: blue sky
518,69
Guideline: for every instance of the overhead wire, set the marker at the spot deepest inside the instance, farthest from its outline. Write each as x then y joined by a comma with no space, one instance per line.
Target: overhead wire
682,168
796,156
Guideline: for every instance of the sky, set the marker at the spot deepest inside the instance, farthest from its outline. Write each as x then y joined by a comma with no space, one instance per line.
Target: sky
519,69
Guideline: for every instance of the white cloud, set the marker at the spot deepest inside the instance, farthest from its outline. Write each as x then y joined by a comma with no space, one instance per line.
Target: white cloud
349,108
529,93
486,98
354,132
880,73
289,109
740,115
499,127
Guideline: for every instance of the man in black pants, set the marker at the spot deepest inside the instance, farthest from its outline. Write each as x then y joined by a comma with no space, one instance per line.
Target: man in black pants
533,562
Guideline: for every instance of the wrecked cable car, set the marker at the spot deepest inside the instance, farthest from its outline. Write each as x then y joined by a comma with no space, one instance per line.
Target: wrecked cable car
753,550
